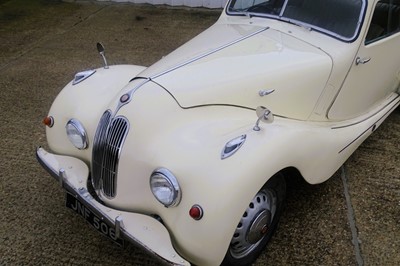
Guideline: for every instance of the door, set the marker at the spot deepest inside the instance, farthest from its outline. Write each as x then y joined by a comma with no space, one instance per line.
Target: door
375,74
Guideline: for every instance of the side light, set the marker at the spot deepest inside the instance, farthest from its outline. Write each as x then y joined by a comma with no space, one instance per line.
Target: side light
77,134
165,187
81,76
48,121
196,212
232,146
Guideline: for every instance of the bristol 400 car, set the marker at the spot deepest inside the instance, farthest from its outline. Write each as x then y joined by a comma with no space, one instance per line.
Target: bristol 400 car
196,148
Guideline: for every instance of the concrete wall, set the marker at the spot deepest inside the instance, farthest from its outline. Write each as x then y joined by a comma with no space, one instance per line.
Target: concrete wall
190,3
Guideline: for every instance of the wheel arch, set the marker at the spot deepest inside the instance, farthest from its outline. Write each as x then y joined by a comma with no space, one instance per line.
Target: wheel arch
275,183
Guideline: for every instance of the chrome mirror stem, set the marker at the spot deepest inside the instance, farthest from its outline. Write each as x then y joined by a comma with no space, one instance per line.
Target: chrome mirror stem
263,115
101,50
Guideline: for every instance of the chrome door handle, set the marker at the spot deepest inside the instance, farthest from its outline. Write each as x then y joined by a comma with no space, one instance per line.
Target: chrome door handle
360,60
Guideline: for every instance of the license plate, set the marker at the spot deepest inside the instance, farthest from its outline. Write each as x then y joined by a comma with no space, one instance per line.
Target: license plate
95,220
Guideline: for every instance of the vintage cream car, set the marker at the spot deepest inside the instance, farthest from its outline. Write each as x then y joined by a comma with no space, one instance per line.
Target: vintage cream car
188,157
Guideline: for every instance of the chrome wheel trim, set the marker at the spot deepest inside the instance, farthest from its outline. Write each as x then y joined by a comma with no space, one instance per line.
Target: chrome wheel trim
254,224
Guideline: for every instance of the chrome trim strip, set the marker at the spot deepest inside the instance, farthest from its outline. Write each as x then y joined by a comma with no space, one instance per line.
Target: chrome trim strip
209,53
358,122
97,155
107,145
283,8
132,91
88,201
373,127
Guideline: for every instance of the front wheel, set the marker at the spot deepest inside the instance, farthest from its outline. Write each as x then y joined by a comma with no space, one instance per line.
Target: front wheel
258,223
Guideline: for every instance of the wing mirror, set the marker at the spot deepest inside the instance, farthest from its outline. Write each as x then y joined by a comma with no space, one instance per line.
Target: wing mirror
101,50
263,115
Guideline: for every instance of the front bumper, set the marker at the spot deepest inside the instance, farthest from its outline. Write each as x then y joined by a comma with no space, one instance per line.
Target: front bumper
139,229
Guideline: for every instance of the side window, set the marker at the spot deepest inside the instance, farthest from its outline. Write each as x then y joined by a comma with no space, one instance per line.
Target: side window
385,20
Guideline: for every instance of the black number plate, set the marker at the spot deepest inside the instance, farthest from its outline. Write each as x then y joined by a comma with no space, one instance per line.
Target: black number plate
99,224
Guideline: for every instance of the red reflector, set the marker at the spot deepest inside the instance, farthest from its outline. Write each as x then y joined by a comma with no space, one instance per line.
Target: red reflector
196,212
48,121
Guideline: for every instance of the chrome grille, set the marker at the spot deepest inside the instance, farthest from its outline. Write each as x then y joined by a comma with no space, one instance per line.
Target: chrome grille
107,144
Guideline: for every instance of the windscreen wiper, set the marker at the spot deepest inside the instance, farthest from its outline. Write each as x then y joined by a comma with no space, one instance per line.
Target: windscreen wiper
297,23
242,12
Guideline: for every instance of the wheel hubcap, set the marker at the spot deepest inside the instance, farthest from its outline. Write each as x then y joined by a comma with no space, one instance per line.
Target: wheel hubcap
259,227
254,224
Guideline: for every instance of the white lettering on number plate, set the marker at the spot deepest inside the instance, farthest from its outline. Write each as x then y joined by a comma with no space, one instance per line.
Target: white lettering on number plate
98,223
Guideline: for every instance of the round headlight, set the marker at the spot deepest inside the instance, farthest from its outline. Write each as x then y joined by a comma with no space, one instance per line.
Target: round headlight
165,187
76,134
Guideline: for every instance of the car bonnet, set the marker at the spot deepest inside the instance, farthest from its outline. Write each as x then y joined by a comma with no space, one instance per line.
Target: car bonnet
232,64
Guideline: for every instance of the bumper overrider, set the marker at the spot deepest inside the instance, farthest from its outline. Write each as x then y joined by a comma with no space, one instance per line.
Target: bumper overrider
117,225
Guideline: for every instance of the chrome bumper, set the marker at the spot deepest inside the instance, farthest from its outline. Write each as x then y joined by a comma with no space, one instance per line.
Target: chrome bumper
143,230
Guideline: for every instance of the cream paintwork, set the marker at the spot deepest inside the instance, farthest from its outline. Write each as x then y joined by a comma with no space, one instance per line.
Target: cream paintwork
144,229
87,99
188,141
370,84
242,69
200,131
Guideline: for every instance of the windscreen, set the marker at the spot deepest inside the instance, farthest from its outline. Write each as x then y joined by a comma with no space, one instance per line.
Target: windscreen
339,18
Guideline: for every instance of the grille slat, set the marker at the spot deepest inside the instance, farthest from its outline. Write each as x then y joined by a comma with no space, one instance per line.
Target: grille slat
108,141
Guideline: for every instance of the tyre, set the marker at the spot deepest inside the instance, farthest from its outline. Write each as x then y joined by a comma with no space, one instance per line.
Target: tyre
258,223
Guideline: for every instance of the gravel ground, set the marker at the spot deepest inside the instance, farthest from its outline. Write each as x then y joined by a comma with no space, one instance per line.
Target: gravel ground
43,43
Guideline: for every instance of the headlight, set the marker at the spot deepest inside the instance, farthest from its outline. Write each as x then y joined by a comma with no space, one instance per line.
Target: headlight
77,134
165,187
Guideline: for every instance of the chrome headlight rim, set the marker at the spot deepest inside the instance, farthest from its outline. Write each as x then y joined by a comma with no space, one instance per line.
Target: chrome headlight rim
74,128
171,181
